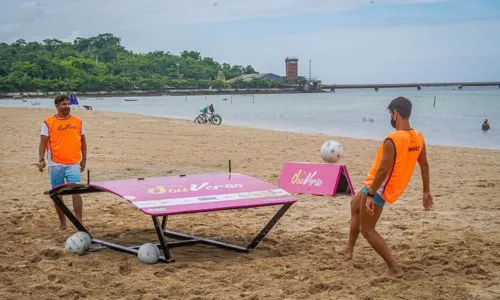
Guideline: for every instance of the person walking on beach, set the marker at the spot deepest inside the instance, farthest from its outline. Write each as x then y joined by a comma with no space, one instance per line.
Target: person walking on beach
387,179
63,137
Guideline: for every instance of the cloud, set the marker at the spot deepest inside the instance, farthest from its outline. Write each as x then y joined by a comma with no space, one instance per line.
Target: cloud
387,41
439,52
8,28
58,18
29,10
186,11
196,11
30,6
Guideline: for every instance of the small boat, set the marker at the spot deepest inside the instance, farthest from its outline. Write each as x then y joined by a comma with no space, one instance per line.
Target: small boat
130,99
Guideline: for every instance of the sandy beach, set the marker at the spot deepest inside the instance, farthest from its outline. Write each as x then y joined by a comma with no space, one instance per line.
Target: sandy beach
452,252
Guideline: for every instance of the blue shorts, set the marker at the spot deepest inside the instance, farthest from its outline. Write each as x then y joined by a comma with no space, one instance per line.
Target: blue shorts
59,173
377,199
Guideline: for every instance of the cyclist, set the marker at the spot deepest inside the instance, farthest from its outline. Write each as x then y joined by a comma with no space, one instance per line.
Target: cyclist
207,108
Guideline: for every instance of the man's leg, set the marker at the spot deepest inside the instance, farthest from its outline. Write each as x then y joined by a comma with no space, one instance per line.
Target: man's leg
355,223
378,243
56,175
72,174
78,207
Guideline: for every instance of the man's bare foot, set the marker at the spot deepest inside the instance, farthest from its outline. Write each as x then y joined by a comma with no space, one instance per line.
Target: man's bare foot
62,226
391,273
346,252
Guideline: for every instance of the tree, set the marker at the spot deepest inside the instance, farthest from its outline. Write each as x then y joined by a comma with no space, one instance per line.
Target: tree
102,63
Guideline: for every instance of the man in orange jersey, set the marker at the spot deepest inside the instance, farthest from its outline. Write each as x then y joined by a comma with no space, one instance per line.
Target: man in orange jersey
63,136
387,179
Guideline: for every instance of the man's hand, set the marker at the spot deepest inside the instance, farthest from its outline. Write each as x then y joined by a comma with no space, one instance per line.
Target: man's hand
427,201
41,165
82,165
370,205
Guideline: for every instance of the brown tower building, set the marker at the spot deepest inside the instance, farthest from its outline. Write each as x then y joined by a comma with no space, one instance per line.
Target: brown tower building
292,67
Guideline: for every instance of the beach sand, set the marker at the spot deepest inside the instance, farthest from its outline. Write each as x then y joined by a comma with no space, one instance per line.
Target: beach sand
452,252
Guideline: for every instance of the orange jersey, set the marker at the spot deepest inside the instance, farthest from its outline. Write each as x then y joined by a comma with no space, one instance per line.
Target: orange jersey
409,144
65,139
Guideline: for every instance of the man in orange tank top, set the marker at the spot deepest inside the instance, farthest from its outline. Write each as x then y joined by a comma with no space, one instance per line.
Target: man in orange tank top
63,137
386,180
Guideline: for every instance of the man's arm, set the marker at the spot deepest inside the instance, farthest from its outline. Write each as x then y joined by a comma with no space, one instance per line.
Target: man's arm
389,153
44,137
41,147
84,148
424,169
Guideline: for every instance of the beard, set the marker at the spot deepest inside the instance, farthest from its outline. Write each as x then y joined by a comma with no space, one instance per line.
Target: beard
65,111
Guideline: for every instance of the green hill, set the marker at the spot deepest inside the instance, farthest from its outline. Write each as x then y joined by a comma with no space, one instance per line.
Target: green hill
101,64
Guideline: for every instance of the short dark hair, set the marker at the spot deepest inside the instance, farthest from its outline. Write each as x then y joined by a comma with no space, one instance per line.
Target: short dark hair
401,105
60,98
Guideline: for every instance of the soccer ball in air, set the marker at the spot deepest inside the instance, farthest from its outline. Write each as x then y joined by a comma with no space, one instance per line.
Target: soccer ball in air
148,253
78,243
331,151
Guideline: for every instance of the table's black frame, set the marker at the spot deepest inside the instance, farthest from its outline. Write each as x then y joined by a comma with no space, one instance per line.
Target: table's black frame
160,228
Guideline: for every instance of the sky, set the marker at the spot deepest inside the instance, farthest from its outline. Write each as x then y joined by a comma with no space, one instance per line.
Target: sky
347,41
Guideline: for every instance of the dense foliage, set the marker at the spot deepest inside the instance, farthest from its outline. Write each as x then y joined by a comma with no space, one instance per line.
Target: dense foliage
101,64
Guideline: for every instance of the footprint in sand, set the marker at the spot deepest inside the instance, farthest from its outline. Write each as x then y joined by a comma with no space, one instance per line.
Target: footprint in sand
125,269
382,281
324,286
47,254
52,277
161,274
51,254
402,227
486,185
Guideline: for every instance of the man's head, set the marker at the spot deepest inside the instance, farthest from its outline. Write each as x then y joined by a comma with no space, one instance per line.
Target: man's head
485,121
400,110
62,105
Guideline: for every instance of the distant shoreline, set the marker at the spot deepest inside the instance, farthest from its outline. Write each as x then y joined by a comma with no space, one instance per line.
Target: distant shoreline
256,128
177,92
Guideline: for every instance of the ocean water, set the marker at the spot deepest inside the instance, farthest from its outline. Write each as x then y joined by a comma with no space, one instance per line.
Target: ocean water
454,121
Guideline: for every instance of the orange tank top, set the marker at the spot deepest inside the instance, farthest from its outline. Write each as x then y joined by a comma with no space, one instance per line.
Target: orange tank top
65,139
409,145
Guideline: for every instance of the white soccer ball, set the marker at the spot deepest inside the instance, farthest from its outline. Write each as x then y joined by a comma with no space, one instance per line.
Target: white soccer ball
331,151
78,243
148,253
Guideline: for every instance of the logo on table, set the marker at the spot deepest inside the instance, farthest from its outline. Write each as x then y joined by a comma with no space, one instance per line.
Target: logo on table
306,178
157,209
173,189
207,198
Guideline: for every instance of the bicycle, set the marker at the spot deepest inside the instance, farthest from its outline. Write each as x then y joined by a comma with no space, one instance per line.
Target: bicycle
204,118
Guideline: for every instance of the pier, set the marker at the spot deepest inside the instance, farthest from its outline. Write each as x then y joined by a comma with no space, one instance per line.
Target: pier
418,86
